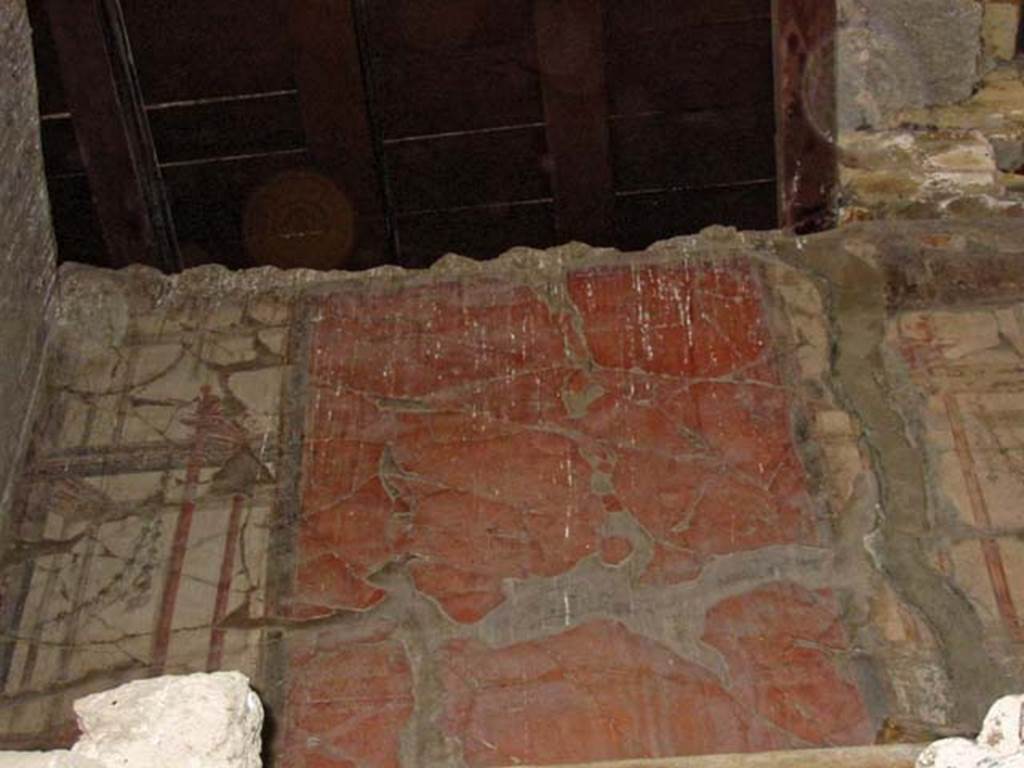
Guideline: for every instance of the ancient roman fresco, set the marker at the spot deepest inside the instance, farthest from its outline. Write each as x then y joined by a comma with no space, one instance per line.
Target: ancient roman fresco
572,516
967,366
142,527
728,495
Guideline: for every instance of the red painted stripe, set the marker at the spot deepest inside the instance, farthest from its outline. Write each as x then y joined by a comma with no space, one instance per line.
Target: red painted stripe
162,636
989,546
227,570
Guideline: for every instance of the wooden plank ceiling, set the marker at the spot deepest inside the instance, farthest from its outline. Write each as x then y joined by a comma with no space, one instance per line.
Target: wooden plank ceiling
350,134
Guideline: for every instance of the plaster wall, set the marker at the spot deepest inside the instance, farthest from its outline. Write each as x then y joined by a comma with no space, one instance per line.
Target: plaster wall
732,494
26,241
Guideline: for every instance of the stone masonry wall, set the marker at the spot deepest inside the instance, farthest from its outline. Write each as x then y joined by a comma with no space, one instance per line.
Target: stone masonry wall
900,54
931,109
960,161
895,55
734,493
26,242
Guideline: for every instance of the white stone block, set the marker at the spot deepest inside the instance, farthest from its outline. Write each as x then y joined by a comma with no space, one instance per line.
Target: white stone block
1002,731
192,721
953,753
1000,744
58,759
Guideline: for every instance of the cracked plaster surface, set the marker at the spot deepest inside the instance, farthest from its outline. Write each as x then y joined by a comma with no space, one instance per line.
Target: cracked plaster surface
530,510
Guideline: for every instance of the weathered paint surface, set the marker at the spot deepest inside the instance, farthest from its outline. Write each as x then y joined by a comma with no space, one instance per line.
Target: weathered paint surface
494,440
564,507
967,367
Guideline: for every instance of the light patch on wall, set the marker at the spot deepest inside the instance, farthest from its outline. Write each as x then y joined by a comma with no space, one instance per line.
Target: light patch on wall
1002,24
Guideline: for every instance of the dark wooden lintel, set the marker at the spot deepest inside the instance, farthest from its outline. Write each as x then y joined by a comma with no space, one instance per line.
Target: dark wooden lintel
805,86
1020,31
570,54
112,131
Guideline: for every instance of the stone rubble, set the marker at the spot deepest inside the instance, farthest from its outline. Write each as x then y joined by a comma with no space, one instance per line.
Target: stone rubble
999,745
188,721
962,160
58,759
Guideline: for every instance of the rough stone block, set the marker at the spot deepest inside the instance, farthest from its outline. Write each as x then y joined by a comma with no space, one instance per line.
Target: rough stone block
947,173
996,111
193,721
57,759
898,54
1002,20
999,745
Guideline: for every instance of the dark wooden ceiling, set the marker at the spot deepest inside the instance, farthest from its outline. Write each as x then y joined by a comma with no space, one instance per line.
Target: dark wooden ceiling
351,133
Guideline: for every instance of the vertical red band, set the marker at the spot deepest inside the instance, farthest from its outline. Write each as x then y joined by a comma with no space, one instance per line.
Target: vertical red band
161,638
227,568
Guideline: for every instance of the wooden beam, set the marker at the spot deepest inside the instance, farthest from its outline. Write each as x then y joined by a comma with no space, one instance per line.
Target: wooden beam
103,95
805,98
333,95
1020,30
570,53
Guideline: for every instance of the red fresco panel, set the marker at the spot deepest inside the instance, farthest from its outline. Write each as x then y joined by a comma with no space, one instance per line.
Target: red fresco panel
484,433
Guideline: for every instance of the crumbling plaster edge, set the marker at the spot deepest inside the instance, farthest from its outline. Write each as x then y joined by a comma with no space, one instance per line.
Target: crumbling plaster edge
216,282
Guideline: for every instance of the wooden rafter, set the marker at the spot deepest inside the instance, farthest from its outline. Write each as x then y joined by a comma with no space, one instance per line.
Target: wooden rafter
1020,32
112,130
332,92
570,53
805,96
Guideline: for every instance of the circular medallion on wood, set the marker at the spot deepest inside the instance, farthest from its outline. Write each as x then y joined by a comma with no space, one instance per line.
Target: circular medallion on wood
300,219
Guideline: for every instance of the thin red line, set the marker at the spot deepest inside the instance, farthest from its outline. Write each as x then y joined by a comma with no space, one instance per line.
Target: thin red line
227,569
162,636
989,546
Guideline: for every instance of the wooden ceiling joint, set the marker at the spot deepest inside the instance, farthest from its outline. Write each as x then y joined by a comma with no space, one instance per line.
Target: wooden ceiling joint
334,98
571,58
805,99
103,96
352,133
